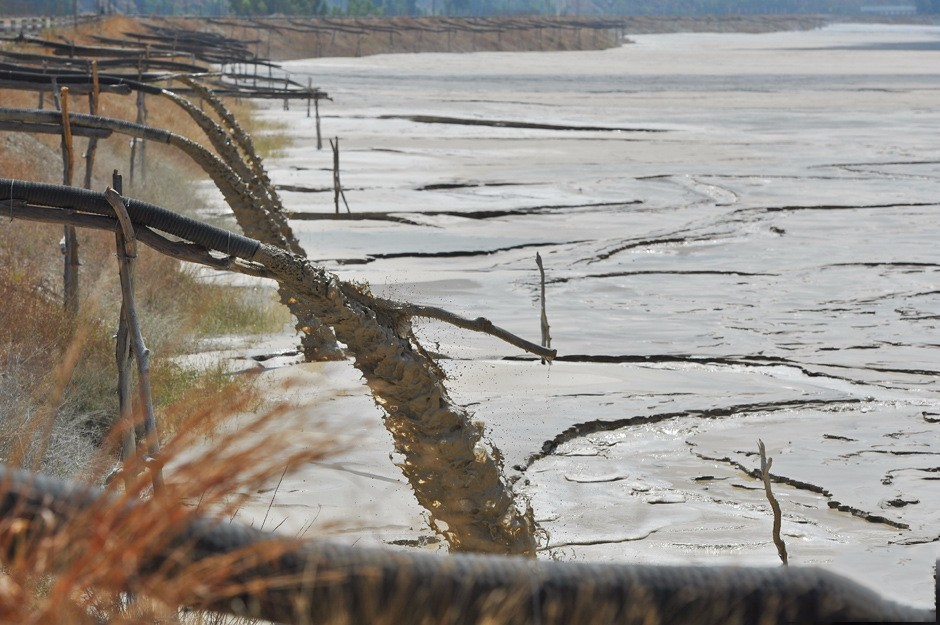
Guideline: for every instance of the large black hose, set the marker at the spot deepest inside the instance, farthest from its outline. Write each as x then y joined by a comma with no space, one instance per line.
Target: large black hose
321,582
60,196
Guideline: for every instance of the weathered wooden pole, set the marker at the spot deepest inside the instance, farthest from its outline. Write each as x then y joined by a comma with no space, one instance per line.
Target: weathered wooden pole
316,112
126,242
92,147
70,236
546,336
122,356
138,146
337,185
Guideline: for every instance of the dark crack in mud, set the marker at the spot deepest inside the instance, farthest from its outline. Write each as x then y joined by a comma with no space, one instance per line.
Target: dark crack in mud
585,428
502,123
814,488
691,272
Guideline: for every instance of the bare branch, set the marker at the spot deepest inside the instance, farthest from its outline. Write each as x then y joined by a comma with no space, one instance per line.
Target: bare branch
480,324
765,465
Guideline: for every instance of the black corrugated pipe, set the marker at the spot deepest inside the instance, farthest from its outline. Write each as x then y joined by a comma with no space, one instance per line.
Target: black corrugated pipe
60,196
325,582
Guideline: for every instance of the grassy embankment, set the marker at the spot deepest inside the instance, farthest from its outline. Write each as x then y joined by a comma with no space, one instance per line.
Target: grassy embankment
58,384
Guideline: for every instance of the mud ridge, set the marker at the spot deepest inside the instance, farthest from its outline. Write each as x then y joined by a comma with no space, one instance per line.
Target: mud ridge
745,361
837,207
446,186
497,123
466,253
832,503
878,164
873,265
368,216
599,541
742,361
701,272
295,188
480,215
530,210
640,243
585,428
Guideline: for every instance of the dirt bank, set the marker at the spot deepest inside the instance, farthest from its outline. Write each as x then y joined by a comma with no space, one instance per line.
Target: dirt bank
295,38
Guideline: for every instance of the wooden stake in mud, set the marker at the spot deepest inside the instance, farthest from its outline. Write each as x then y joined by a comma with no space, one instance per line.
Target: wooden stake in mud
337,185
765,465
316,112
69,244
127,252
546,336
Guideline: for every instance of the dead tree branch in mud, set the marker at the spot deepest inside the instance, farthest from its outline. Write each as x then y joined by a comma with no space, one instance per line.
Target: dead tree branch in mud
765,464
454,473
126,243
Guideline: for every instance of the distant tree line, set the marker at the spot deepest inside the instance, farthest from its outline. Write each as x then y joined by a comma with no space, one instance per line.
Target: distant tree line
931,7
278,7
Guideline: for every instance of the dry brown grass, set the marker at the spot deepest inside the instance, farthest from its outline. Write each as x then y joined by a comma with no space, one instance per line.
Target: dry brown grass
58,393
77,571
175,306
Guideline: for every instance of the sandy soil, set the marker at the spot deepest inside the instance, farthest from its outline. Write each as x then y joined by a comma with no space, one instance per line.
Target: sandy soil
739,233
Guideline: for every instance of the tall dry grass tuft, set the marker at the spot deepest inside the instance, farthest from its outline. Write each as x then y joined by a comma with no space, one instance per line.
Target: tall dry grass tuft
107,563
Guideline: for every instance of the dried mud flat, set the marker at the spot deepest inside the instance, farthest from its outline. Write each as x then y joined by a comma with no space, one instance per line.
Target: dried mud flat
739,233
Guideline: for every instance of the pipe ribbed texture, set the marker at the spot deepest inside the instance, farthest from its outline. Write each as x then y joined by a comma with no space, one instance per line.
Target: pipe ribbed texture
210,237
323,582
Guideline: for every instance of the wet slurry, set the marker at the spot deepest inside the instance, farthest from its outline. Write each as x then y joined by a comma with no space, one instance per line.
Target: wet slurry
740,239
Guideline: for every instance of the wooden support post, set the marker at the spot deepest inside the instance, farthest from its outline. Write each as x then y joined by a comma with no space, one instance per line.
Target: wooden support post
42,92
337,185
92,147
68,159
546,335
69,244
127,253
309,94
286,98
316,112
138,145
122,356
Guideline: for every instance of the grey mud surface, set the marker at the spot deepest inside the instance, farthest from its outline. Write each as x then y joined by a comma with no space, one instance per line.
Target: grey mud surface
740,235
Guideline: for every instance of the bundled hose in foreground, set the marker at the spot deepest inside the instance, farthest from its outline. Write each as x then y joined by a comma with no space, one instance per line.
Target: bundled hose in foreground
320,582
